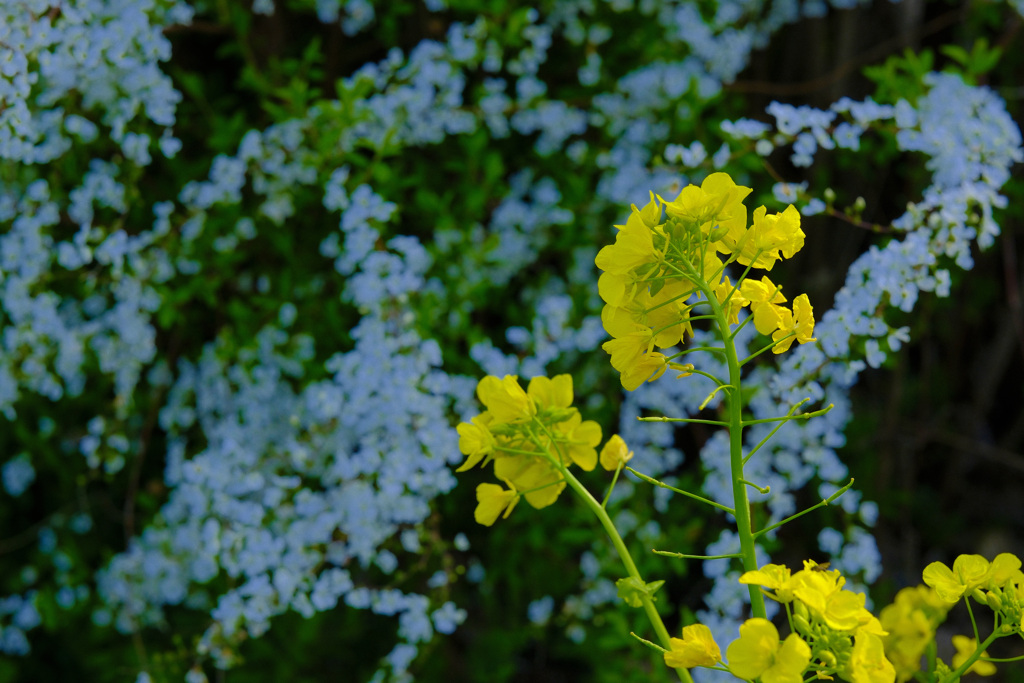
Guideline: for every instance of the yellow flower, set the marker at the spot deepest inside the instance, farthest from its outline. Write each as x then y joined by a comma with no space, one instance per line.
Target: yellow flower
583,438
969,572
822,592
492,500
634,244
475,440
736,301
715,207
758,654
627,350
505,399
774,577
614,453
909,633
765,297
800,321
696,648
867,662
769,235
554,392
965,647
538,480
647,368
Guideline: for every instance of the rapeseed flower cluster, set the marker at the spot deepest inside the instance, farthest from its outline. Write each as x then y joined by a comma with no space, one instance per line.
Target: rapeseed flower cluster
833,633
532,437
660,269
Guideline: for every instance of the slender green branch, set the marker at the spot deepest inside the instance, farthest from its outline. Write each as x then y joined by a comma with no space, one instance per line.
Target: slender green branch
772,433
760,489
761,350
615,478
785,418
653,646
651,480
969,662
828,501
627,561
693,420
714,391
684,556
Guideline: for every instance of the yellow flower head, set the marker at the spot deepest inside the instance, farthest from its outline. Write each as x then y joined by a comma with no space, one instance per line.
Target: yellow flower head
538,480
647,368
968,572
583,438
761,245
765,297
696,648
615,453
475,440
716,206
505,399
492,500
965,647
551,393
800,322
758,654
774,577
634,245
868,663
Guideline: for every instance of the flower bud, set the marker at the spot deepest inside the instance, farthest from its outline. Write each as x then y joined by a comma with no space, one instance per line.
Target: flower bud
828,659
718,232
993,601
801,624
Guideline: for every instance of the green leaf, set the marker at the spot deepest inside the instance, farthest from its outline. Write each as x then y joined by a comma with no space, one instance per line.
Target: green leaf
632,590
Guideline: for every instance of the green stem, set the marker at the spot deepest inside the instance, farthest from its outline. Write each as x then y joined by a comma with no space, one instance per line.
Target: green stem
962,669
734,405
627,561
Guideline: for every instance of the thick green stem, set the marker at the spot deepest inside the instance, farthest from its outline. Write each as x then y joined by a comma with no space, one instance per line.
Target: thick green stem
734,406
627,560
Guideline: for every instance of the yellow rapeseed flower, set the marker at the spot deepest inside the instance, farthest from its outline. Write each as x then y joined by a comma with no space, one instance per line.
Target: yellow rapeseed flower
696,648
505,399
614,453
965,647
868,663
492,501
758,654
968,572
475,440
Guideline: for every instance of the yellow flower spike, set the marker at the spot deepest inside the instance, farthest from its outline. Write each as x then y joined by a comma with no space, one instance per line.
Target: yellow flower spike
648,368
716,205
492,501
505,399
965,647
868,663
583,439
614,453
475,440
696,648
758,654
554,392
